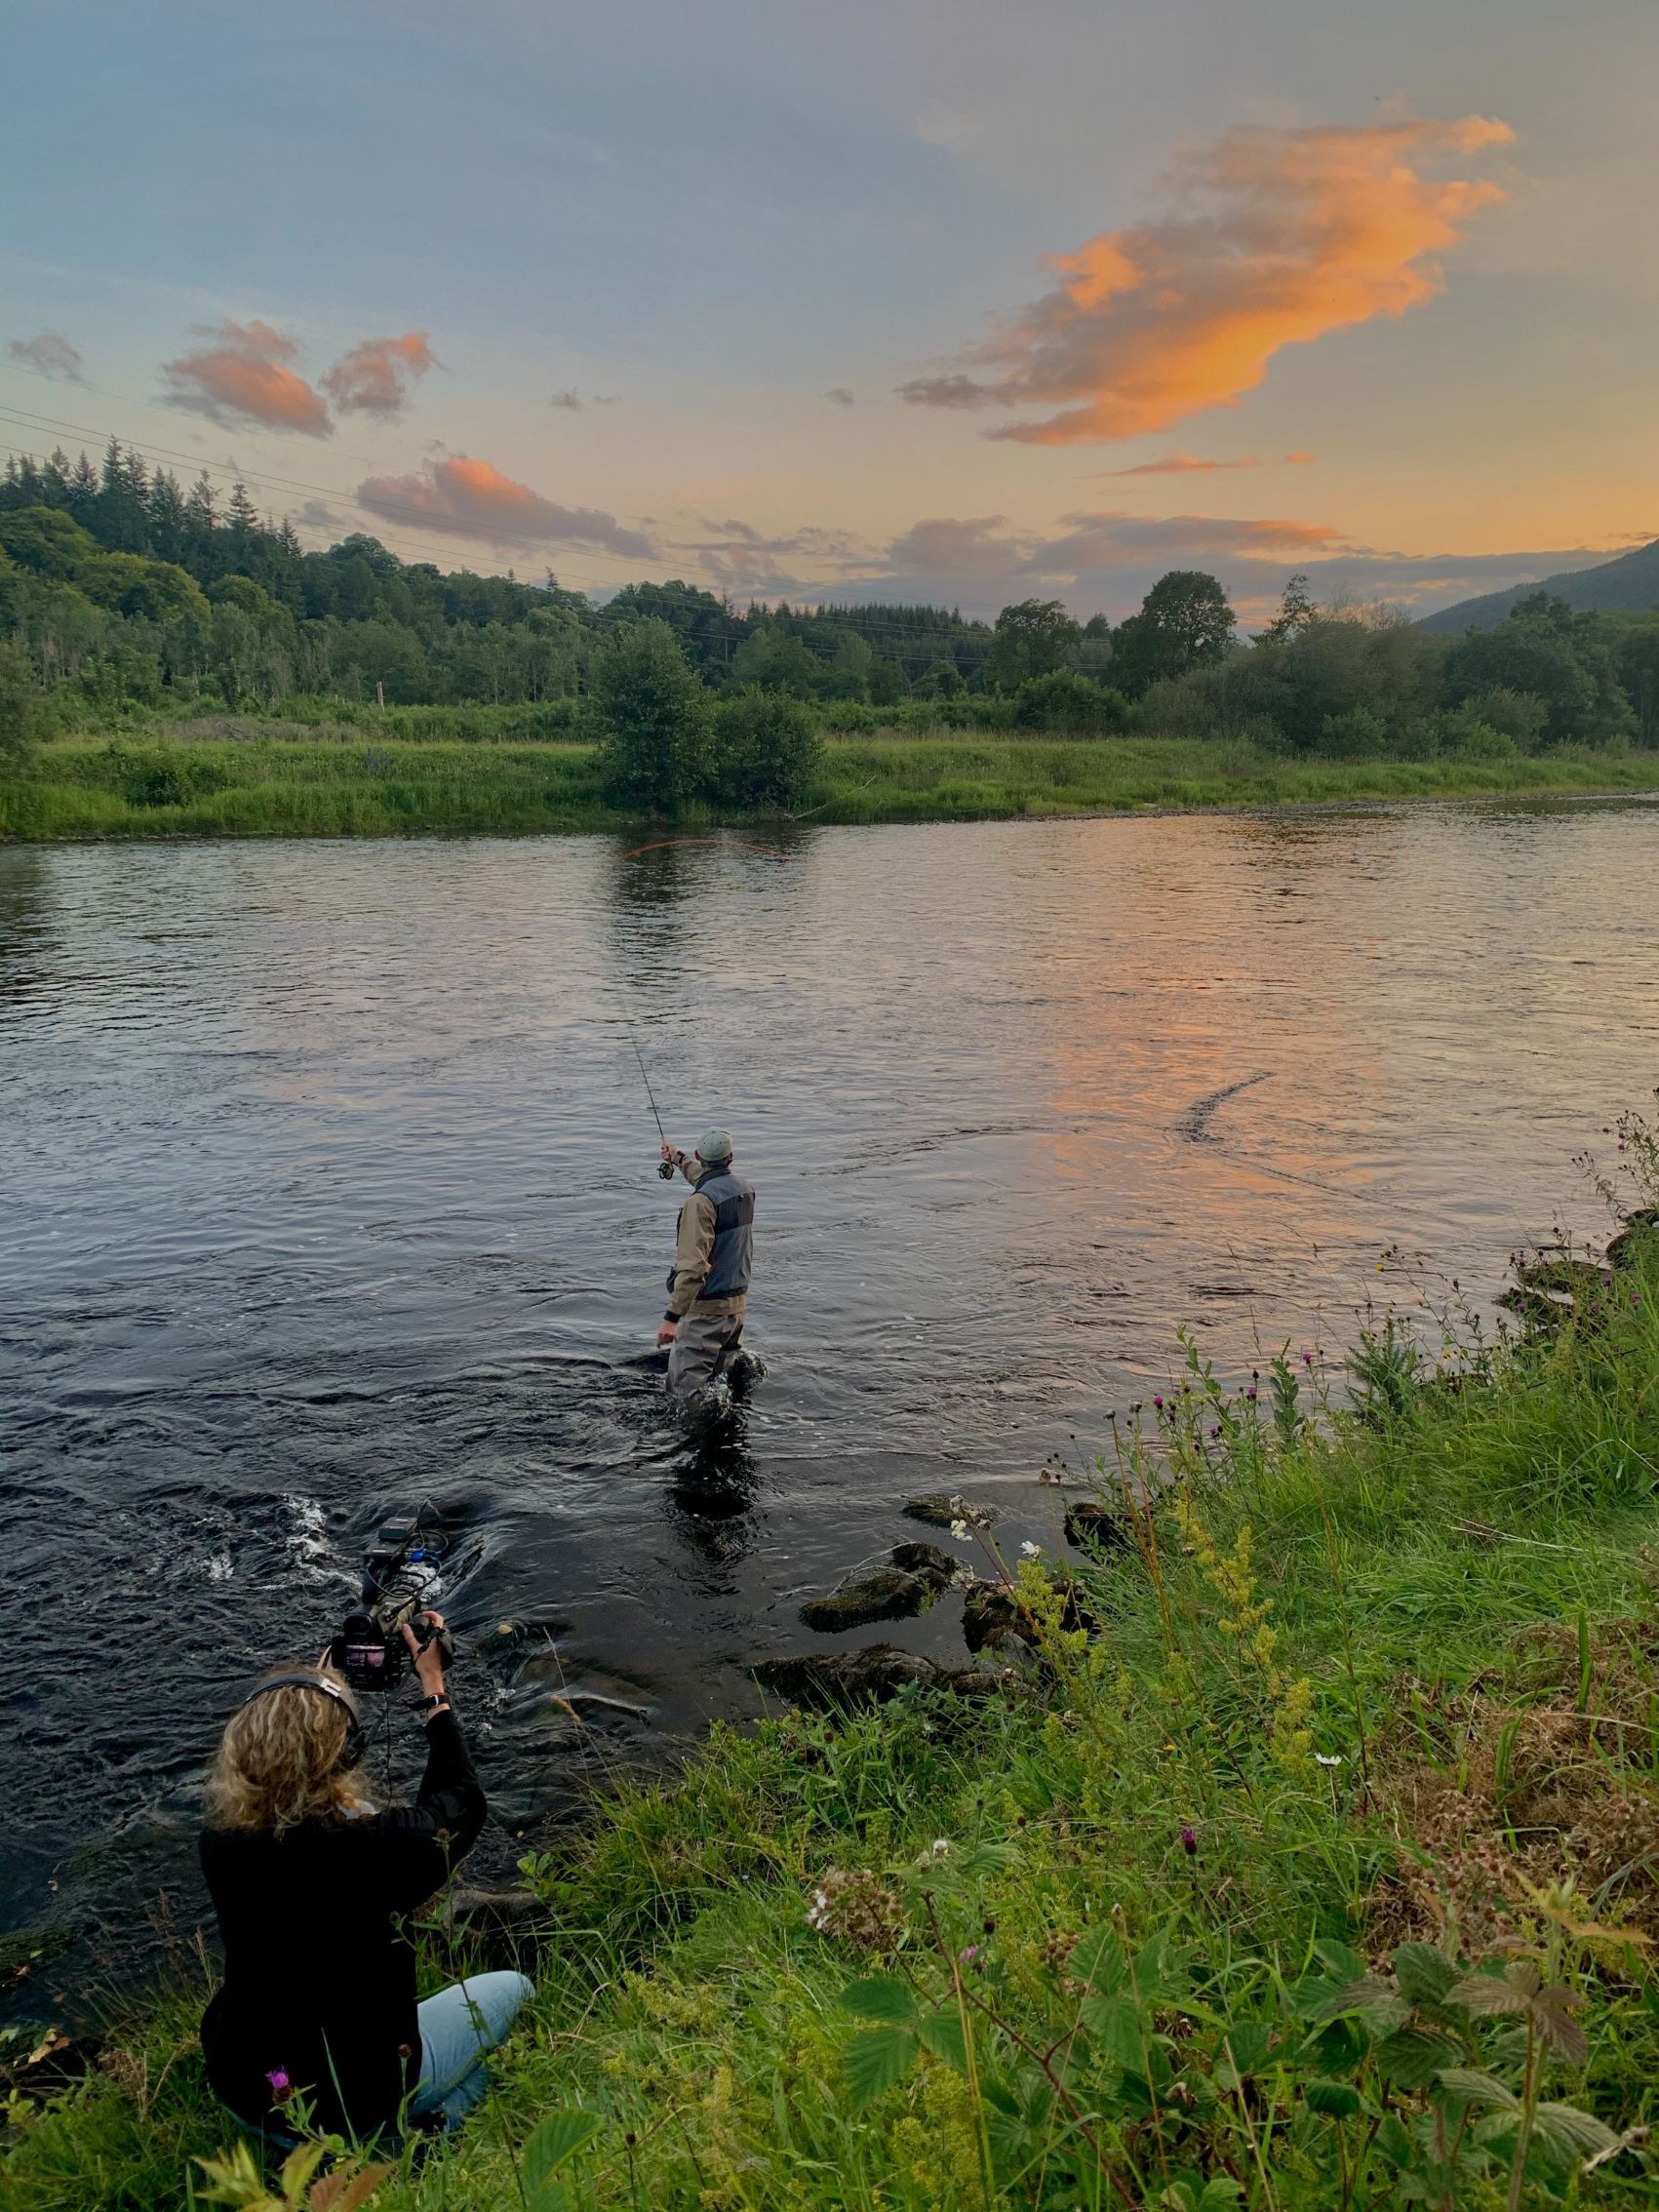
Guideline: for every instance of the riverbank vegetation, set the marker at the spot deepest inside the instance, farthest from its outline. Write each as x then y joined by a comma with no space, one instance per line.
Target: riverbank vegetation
130,610
241,777
1300,1850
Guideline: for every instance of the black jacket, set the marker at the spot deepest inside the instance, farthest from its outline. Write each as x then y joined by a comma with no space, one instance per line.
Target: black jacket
319,1972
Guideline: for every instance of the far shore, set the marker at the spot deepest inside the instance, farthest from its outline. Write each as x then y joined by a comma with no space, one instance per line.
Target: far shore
272,780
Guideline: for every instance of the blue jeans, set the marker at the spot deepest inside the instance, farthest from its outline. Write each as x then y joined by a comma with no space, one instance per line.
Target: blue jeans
457,2027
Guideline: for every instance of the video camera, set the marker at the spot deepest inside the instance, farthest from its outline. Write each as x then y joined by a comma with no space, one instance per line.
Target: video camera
401,1581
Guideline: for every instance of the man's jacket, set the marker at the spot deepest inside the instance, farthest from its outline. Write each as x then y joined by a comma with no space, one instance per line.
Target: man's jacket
712,1250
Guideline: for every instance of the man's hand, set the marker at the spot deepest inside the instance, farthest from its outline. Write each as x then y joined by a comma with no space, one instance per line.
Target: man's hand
666,1334
669,1153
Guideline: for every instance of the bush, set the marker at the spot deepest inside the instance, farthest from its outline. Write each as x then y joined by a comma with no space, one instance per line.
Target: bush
1518,715
162,779
655,720
1067,701
1461,733
1356,734
767,749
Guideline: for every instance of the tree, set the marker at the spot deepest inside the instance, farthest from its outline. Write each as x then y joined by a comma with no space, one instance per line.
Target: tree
1184,621
1296,610
773,659
20,709
767,749
1032,637
1067,701
1563,658
655,721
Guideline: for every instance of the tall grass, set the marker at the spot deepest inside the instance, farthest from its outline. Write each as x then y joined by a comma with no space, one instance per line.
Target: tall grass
1310,1857
476,771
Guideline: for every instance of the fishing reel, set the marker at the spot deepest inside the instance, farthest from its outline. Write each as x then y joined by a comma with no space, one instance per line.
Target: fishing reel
665,1170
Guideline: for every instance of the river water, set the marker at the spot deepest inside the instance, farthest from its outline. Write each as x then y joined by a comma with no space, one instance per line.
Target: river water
329,1190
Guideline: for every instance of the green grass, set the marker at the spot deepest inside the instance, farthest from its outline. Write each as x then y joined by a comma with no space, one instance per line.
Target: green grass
282,780
829,1962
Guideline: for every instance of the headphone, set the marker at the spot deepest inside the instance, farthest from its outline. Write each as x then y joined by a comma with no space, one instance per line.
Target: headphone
356,1742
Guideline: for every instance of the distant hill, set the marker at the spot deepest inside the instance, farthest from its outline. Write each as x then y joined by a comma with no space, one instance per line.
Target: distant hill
1629,585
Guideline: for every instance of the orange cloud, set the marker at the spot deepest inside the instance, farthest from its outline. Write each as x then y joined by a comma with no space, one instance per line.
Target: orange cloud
243,379
1277,237
1189,464
375,376
472,498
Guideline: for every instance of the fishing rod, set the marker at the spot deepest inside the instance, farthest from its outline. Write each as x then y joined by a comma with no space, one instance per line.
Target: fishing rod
665,1167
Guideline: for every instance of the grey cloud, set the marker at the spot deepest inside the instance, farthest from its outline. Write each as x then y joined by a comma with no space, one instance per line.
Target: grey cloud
838,395
52,355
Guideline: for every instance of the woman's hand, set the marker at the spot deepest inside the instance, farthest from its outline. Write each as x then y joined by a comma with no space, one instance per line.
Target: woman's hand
428,1657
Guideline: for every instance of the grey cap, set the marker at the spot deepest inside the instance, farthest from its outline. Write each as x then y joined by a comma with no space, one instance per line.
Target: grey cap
714,1145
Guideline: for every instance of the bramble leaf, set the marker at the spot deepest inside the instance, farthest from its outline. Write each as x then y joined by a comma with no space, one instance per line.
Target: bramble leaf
941,2034
877,2060
1412,2057
555,2138
1336,2100
1424,1974
883,1998
1469,2086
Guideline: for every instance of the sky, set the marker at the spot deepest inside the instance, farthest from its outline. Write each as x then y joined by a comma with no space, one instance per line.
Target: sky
934,300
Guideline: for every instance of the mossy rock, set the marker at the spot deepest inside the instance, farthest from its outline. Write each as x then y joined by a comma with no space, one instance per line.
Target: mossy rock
993,1614
928,1561
1098,1528
871,1675
1638,1227
939,1508
884,1594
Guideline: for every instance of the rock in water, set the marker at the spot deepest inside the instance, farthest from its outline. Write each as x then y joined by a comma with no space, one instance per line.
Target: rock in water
1621,1252
870,1676
887,1594
939,1568
1095,1528
939,1508
993,1614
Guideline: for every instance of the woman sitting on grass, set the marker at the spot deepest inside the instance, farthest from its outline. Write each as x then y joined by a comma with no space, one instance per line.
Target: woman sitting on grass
316,2025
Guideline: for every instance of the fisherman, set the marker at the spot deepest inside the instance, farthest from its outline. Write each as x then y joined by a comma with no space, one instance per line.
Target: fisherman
708,1285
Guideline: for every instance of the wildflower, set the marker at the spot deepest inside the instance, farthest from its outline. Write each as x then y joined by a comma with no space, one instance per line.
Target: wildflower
1189,1842
279,2081
968,1956
1307,1359
942,1844
1216,1430
1327,1758
958,1529
1032,1551
856,1907
1251,1392
1158,1404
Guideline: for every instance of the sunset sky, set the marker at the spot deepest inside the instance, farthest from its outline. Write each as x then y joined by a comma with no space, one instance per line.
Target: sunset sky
896,300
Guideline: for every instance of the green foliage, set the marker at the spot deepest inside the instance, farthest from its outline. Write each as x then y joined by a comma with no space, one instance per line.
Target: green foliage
1033,638
1065,700
1185,623
655,720
22,719
1545,651
767,750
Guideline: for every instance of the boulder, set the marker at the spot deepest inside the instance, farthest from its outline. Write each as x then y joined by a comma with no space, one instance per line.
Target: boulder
869,1676
939,1568
1098,1528
995,1618
1644,1222
884,1594
939,1508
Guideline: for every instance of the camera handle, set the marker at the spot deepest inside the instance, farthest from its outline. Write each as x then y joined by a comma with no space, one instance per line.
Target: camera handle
426,1635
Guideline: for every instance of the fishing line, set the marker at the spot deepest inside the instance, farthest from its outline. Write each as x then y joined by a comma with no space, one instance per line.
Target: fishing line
665,1168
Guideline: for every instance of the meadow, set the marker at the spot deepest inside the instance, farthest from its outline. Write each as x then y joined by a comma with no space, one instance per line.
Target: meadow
1303,1852
451,772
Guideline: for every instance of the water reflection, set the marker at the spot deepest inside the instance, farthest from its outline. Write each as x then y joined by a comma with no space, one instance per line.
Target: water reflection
332,1186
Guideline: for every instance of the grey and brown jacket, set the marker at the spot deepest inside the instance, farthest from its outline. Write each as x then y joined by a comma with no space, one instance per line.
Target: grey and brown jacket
712,1250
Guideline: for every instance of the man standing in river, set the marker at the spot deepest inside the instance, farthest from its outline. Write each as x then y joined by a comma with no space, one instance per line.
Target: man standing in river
708,1285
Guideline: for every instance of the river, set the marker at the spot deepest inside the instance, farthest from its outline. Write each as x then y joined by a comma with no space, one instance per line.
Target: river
329,1190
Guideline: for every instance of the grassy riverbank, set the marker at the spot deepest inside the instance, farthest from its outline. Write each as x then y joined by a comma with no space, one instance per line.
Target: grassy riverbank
272,782
1363,1692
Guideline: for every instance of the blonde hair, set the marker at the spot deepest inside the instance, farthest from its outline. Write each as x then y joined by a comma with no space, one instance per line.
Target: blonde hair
279,1758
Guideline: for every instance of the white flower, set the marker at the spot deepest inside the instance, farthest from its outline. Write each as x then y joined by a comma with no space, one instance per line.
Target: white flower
1327,1758
942,1844
960,1530
1032,1551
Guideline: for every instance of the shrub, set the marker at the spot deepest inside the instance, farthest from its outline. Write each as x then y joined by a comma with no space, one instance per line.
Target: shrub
1463,734
1064,701
171,779
1519,715
1356,734
767,749
655,721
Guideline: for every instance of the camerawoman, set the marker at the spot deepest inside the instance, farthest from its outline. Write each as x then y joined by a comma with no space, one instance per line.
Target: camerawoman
316,2025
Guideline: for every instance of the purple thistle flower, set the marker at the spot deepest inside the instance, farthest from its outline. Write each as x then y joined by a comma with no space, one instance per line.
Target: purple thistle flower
968,1956
1189,1842
1307,1359
1159,1403
1217,1431
1251,1392
279,2081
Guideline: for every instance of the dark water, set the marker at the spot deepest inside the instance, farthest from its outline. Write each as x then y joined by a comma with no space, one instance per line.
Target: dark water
328,1188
